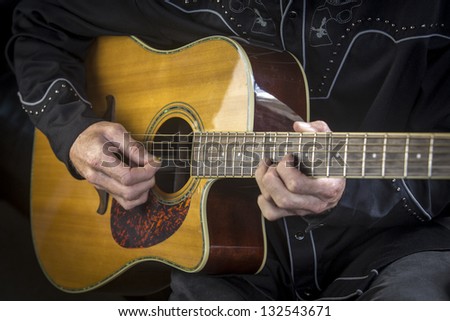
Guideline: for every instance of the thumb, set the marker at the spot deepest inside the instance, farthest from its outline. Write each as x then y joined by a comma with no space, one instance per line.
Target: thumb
315,126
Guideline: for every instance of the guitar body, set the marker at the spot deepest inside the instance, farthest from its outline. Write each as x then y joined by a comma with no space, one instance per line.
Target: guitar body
193,224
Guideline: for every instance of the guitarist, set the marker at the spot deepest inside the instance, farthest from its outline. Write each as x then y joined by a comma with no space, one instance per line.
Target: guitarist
371,66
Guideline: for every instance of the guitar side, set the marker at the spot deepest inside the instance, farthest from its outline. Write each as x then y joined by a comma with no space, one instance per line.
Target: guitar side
212,79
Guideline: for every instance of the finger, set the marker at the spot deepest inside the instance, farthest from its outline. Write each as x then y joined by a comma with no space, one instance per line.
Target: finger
129,204
127,193
261,170
270,211
266,177
133,175
137,165
296,182
128,176
135,151
299,203
315,126
275,190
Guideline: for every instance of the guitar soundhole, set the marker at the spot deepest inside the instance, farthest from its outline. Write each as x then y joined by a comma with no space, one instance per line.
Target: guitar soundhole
172,144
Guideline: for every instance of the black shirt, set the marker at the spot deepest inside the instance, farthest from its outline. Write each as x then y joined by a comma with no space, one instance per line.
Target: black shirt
371,66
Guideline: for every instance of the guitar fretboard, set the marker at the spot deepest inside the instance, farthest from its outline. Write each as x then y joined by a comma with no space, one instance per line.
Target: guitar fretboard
351,155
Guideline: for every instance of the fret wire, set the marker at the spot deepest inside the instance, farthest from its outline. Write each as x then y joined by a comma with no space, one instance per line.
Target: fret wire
242,158
219,151
405,171
430,156
287,143
206,151
212,154
346,154
383,168
299,146
264,145
253,152
226,153
313,153
233,159
364,156
329,143
199,150
274,143
205,138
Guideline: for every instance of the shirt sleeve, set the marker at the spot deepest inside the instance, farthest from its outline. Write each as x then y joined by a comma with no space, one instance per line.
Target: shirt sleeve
49,70
50,41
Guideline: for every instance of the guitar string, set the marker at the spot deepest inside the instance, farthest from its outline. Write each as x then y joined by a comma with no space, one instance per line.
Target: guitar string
315,142
317,151
312,135
177,163
297,134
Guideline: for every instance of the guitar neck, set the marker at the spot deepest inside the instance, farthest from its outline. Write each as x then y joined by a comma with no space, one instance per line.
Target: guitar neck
351,155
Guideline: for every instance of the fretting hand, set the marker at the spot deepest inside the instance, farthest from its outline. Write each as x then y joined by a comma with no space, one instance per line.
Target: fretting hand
285,191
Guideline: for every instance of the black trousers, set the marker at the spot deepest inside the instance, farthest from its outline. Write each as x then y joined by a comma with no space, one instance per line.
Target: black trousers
419,276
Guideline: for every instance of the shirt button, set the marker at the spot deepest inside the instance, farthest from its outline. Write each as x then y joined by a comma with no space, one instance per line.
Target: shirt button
292,14
299,236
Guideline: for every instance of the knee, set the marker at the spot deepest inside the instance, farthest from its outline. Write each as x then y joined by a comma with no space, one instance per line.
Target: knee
422,276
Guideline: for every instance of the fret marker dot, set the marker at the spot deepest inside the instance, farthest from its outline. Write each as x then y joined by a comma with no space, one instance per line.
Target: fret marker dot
419,156
374,155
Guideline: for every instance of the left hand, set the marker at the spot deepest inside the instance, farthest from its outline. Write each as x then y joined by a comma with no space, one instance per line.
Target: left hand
285,191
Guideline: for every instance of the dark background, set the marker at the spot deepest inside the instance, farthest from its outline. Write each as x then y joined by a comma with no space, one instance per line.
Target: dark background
20,275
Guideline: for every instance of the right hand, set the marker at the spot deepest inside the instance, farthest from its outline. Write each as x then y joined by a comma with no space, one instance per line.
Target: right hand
94,156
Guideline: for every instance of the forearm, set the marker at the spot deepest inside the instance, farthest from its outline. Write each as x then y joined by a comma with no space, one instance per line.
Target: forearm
50,42
62,114
48,63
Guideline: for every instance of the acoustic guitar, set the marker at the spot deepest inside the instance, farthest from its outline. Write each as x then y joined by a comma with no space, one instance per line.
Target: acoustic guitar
211,111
